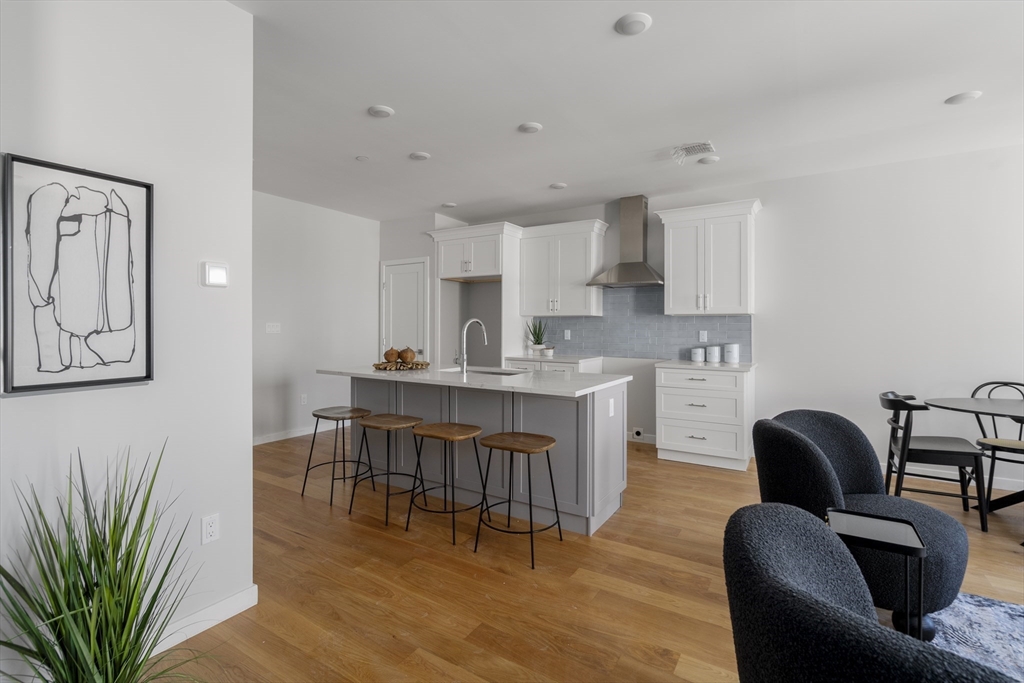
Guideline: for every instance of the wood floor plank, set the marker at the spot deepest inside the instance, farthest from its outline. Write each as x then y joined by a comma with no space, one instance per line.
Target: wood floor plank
344,598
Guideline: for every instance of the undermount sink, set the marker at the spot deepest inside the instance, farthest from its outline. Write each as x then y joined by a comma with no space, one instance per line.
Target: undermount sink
486,371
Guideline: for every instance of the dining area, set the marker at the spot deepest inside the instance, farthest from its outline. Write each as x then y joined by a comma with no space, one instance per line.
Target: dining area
998,409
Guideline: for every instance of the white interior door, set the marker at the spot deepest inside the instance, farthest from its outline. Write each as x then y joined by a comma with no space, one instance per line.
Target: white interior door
403,308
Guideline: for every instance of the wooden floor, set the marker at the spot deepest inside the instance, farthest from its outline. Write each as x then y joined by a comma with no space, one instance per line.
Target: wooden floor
345,599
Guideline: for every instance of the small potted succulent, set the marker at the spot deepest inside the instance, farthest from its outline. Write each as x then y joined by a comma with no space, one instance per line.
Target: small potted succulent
535,331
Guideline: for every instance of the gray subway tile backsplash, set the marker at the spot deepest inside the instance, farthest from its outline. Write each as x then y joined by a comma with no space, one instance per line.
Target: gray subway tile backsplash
634,326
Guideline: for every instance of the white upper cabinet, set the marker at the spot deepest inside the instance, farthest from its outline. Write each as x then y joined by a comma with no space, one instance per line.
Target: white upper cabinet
556,263
709,258
472,253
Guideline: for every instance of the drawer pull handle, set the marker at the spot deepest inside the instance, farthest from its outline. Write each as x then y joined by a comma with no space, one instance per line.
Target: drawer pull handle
702,438
697,379
697,405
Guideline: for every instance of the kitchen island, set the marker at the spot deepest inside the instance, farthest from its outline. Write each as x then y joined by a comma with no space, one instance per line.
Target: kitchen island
584,412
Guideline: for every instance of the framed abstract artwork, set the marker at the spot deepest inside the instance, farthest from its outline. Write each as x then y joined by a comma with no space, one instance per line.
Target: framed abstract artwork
77,277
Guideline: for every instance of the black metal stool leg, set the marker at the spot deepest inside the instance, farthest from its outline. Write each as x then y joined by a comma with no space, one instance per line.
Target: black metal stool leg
511,461
480,519
387,485
483,485
529,489
417,475
344,454
554,496
334,463
451,465
310,460
369,462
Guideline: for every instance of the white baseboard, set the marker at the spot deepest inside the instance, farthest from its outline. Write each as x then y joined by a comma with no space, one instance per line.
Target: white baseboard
1003,483
327,426
183,629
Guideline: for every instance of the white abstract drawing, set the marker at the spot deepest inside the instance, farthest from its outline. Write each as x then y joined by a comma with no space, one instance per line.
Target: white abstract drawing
72,238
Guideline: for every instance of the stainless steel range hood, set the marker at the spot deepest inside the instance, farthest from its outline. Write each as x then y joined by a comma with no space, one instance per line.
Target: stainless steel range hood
633,270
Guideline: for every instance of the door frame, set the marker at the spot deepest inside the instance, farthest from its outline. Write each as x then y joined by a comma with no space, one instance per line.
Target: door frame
425,260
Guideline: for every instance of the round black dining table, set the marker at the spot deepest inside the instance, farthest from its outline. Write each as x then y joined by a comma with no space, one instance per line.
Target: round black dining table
1012,408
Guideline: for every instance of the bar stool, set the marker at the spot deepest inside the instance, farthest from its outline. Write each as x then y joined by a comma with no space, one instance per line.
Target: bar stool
336,414
527,444
387,423
448,433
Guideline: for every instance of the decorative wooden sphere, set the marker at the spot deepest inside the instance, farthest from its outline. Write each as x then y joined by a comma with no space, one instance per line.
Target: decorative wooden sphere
391,355
407,355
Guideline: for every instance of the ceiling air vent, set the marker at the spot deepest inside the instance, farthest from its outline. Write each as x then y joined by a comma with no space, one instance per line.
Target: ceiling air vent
691,149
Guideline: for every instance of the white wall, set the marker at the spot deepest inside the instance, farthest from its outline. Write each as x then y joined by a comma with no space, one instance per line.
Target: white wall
160,92
904,276
316,272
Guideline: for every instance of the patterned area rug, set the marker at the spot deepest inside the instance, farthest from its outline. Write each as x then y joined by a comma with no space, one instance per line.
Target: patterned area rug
988,631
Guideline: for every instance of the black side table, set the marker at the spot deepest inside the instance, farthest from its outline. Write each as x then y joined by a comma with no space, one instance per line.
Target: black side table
888,534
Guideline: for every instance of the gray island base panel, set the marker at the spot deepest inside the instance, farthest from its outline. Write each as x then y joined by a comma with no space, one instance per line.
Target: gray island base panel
586,416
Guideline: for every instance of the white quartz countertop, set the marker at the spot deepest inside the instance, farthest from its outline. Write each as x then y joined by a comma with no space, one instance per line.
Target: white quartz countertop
573,384
553,359
720,367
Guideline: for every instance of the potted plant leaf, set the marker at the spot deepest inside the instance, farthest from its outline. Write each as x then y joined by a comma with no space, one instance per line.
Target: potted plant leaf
97,585
535,331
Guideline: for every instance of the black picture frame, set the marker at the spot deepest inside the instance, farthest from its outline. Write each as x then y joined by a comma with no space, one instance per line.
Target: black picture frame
17,378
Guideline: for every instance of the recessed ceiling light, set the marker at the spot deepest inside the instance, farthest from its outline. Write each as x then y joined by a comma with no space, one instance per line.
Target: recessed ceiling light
449,205
964,97
419,156
362,158
708,160
558,186
530,127
633,23
380,111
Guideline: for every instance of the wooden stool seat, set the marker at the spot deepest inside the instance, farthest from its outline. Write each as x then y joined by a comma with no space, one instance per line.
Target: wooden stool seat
447,431
518,442
388,422
338,413
1003,444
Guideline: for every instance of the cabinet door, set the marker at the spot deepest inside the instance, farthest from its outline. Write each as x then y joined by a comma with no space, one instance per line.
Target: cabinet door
484,256
726,265
452,259
535,297
572,273
684,267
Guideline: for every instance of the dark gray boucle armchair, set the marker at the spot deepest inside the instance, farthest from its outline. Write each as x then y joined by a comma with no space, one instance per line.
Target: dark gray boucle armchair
816,460
801,611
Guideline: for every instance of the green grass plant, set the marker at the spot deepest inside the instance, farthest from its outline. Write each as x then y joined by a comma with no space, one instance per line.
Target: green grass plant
91,595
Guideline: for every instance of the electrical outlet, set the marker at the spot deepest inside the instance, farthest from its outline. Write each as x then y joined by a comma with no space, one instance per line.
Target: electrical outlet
302,399
703,336
211,528
638,433
567,335
273,328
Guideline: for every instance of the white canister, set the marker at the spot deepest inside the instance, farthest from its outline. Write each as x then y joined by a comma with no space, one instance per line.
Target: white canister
731,353
714,354
697,355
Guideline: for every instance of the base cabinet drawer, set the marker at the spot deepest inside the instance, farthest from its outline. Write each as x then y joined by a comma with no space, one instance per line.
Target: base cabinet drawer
710,406
699,379
724,441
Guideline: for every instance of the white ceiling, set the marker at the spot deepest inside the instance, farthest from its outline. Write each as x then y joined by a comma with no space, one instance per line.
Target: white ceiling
783,89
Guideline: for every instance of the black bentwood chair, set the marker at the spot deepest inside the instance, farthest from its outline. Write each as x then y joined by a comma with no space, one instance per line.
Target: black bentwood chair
994,443
951,451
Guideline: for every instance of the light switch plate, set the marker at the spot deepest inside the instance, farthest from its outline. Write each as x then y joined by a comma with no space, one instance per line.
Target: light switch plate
567,335
703,336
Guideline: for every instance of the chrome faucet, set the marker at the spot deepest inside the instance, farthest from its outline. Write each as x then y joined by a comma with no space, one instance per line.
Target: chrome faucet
462,360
